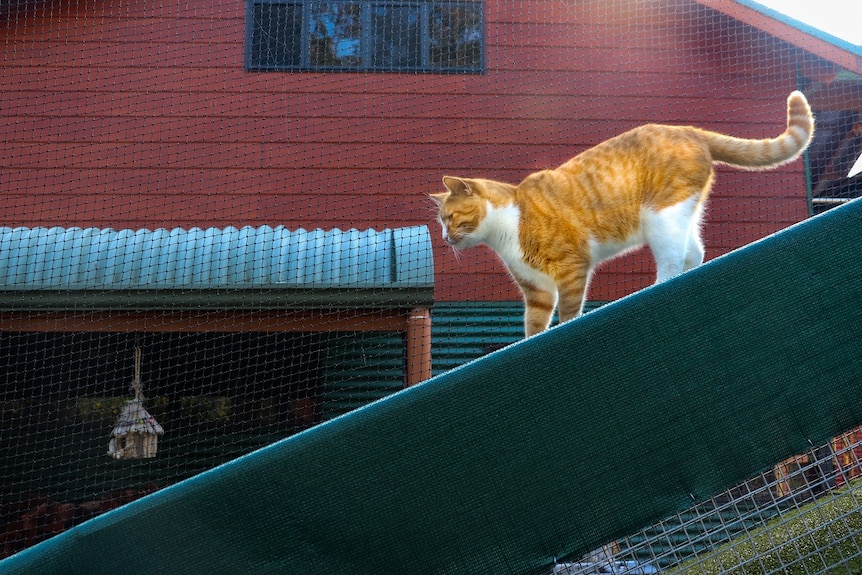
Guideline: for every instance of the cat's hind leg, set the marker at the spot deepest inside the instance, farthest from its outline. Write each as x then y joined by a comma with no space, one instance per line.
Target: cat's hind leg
694,252
673,238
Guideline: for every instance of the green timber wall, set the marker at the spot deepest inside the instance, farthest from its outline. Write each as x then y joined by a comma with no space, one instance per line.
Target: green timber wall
367,366
500,466
464,331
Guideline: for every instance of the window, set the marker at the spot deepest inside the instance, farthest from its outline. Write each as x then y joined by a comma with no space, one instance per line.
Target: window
837,142
379,36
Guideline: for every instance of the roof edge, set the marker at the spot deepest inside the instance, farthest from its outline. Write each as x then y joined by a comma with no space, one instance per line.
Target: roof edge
804,36
273,298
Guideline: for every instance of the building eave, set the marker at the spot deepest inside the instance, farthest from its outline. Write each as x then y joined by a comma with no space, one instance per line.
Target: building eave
808,38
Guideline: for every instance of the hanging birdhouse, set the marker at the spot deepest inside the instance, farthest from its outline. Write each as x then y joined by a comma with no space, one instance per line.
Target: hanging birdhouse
136,434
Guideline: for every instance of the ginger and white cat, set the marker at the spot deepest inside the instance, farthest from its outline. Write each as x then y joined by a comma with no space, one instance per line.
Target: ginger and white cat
646,186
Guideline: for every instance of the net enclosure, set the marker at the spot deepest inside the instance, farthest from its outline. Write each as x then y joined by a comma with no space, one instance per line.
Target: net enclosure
216,234
480,469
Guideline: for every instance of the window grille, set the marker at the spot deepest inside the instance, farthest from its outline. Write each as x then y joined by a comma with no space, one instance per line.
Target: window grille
365,36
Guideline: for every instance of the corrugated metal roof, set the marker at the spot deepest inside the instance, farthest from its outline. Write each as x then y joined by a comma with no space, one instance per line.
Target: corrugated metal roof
262,258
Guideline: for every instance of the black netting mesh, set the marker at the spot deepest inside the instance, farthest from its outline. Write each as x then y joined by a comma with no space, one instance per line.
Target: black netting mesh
226,203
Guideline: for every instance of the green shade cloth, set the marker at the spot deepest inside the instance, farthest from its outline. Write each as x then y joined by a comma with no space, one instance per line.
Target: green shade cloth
547,448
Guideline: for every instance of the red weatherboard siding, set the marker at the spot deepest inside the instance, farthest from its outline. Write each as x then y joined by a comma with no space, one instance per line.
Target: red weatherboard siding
118,114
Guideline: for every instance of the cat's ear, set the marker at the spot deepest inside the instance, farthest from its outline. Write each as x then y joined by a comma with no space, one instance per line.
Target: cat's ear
440,198
457,186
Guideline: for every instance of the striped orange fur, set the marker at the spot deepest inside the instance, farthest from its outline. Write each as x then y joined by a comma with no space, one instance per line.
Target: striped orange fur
646,186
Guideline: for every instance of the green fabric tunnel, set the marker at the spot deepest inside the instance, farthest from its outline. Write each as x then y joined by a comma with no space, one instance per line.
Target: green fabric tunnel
543,450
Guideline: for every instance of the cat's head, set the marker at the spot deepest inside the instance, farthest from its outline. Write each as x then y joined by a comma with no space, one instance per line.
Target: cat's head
464,206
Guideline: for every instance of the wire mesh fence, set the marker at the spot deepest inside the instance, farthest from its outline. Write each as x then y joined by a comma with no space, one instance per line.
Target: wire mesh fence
226,204
802,516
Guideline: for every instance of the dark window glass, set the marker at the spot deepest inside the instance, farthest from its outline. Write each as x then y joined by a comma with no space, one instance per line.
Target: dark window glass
837,143
396,37
336,34
276,38
374,35
456,36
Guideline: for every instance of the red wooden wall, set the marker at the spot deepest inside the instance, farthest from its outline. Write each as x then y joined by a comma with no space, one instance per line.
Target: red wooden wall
140,114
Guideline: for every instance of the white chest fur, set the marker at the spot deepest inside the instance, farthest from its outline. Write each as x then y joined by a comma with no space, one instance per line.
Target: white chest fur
499,230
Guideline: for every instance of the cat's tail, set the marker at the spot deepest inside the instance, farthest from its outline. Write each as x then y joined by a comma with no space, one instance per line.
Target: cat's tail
771,152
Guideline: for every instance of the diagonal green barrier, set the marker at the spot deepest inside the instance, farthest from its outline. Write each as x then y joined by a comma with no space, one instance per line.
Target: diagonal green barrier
545,449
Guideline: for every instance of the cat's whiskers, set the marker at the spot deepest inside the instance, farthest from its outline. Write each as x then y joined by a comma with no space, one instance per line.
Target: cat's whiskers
456,252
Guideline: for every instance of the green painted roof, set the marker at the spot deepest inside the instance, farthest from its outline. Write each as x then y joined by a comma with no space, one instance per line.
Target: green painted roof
245,267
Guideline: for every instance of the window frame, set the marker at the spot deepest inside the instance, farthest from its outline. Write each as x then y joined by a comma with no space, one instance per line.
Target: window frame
366,66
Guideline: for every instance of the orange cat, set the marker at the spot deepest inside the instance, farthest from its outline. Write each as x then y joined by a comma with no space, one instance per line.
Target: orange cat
646,186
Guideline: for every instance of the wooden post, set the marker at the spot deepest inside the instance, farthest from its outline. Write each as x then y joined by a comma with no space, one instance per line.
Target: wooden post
418,346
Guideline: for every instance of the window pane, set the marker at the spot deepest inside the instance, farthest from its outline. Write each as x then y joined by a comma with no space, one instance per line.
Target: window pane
276,35
456,36
336,33
396,36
